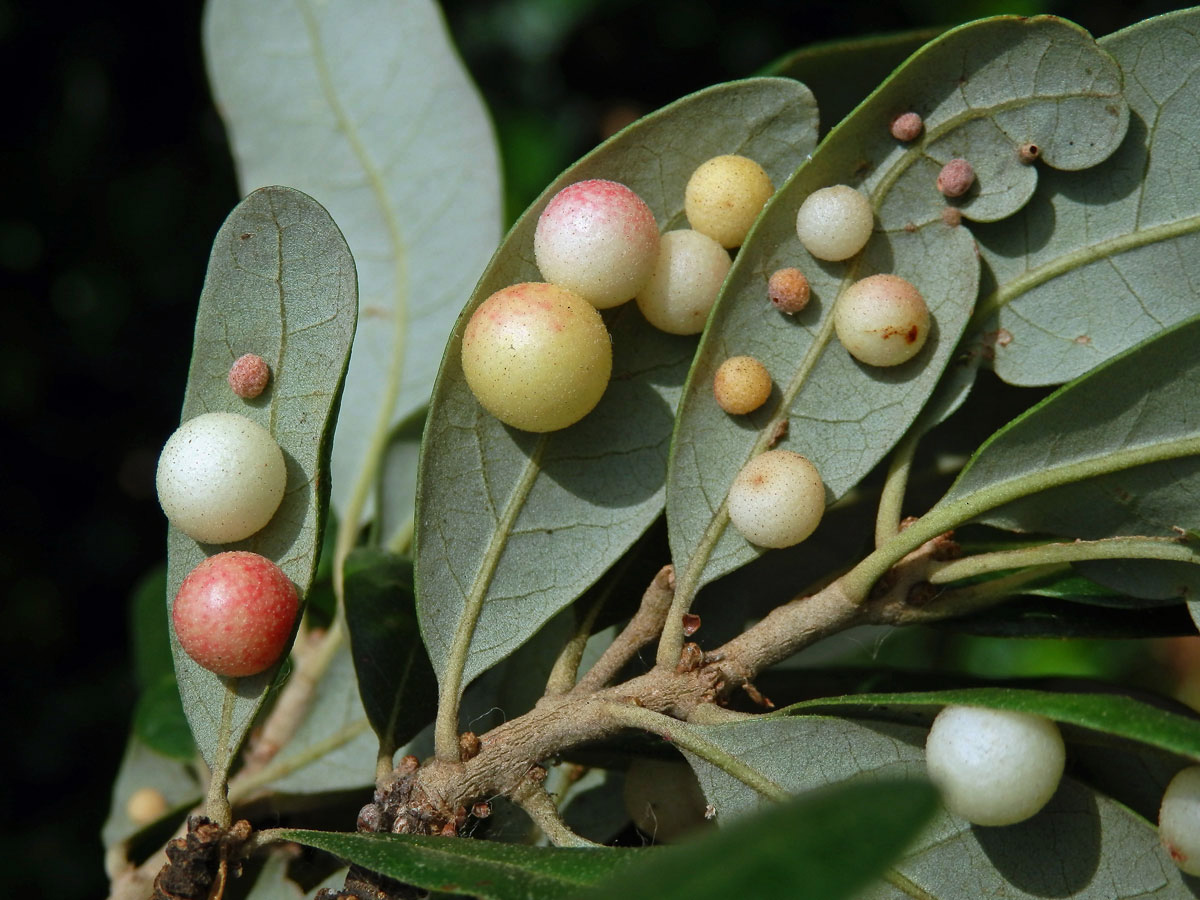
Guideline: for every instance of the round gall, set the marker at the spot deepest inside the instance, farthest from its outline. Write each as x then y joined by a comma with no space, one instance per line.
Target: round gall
234,613
688,275
882,320
598,239
741,385
777,500
220,477
537,356
834,223
992,766
724,197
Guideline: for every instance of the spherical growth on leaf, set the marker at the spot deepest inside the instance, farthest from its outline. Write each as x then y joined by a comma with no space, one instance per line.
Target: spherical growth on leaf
687,277
664,799
777,500
248,376
788,290
1179,820
834,223
599,239
742,384
220,477
146,805
234,613
956,178
537,356
992,766
724,196
882,320
907,127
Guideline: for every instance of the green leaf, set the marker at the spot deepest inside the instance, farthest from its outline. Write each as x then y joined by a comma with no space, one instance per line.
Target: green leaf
811,848
148,630
159,719
1081,845
1116,452
397,684
476,868
1075,617
1112,714
842,73
513,526
368,108
1100,260
983,89
281,284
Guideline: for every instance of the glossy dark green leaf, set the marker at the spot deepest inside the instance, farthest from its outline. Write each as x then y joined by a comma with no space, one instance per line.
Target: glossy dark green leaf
513,526
1076,617
281,284
395,679
1101,260
1081,845
983,89
1113,714
811,848
486,869
368,108
842,73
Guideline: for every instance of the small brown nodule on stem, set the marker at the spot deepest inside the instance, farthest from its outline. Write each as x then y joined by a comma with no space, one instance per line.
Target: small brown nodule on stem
691,624
469,746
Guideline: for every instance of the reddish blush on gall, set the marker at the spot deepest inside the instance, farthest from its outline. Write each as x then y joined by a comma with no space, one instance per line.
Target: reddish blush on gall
234,613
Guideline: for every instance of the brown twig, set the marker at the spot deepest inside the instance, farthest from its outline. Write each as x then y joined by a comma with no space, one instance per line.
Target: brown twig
645,626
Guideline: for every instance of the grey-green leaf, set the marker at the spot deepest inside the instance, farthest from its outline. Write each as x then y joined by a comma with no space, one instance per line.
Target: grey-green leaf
281,284
983,90
485,869
1115,452
513,526
1082,845
366,106
1100,260
397,684
142,767
333,748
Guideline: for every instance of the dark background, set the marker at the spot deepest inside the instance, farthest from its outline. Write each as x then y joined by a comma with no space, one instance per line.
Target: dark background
116,178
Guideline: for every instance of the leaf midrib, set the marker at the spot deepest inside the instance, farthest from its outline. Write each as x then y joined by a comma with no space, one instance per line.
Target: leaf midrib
1077,259
399,305
450,678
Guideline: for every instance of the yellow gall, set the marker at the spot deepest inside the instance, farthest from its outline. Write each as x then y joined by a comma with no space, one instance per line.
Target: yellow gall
742,384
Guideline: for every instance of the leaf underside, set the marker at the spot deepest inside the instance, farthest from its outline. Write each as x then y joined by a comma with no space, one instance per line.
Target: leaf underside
280,284
370,111
983,90
513,526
